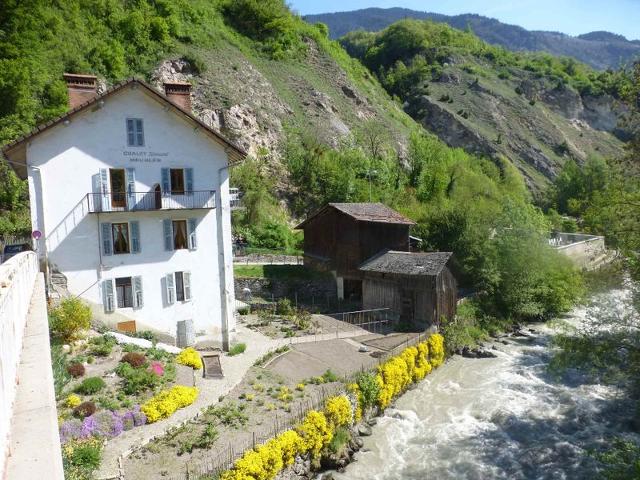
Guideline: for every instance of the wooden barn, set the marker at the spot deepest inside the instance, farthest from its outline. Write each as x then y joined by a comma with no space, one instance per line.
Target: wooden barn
417,287
340,236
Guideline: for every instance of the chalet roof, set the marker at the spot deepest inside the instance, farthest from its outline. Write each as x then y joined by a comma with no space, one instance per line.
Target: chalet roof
407,263
235,152
364,212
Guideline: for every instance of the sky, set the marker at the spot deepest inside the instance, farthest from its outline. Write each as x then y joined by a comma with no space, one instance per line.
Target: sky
573,17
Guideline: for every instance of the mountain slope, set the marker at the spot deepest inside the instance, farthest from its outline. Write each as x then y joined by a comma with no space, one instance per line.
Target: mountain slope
536,110
601,50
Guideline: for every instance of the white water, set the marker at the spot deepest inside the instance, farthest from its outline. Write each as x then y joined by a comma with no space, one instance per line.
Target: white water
499,418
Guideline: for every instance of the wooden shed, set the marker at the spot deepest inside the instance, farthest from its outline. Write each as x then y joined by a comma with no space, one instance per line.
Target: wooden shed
340,236
417,287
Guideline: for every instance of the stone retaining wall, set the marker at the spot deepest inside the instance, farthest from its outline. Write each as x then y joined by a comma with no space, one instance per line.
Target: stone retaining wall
266,287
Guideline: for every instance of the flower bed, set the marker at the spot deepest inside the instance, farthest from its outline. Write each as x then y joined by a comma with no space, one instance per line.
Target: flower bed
167,402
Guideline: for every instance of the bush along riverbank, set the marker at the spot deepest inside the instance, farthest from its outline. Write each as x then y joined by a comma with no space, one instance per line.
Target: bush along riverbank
327,439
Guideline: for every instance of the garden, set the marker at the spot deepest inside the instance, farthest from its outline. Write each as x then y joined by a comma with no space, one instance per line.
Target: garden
104,388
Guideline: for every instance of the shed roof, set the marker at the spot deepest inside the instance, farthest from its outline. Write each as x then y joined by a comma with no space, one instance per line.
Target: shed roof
364,212
235,151
407,263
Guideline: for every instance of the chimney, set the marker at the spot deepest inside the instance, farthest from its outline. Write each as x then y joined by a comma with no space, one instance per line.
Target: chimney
179,93
81,88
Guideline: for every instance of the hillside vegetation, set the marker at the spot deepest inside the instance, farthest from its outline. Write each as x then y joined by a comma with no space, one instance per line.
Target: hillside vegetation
601,50
318,124
536,109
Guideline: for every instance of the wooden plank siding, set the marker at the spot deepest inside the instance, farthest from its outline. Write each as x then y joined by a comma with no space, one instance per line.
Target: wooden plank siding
335,241
434,297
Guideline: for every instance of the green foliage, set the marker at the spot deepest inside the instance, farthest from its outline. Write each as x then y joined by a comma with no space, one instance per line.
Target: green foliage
237,349
61,375
340,440
69,319
410,52
91,385
369,389
229,414
81,457
267,21
102,345
203,441
621,460
262,222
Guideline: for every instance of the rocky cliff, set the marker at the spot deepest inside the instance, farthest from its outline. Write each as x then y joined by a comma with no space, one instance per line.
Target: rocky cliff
536,124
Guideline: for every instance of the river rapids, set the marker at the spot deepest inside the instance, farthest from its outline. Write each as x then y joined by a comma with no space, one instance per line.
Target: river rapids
496,418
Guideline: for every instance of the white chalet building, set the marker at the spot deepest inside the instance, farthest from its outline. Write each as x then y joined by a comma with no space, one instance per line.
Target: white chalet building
130,192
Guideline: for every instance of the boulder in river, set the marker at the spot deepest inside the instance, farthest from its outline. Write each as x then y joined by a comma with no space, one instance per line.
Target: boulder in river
364,431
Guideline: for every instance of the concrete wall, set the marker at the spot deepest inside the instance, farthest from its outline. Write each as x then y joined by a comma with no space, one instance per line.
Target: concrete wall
586,251
17,280
64,164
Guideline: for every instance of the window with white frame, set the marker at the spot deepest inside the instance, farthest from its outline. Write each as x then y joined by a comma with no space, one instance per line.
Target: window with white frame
135,132
120,237
123,292
177,287
180,234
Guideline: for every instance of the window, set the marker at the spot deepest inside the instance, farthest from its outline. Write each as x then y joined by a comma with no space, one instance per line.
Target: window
124,292
135,132
128,293
180,234
177,181
118,188
178,287
120,236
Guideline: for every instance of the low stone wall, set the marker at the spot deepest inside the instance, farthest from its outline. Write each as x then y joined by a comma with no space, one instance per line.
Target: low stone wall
266,287
587,251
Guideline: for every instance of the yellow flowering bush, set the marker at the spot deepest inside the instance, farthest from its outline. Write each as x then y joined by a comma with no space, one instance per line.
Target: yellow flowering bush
164,404
267,460
316,433
423,367
73,401
410,366
338,411
300,387
190,357
285,394
436,349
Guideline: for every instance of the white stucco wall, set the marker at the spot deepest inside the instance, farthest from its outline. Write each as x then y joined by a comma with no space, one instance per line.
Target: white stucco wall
63,162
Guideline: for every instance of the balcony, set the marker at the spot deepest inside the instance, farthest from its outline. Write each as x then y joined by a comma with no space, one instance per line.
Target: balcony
149,201
235,199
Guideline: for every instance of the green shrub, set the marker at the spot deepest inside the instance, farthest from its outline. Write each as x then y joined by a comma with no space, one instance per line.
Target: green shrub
102,346
229,414
237,349
284,307
81,457
137,380
59,366
91,385
369,389
329,377
340,440
197,64
69,319
243,311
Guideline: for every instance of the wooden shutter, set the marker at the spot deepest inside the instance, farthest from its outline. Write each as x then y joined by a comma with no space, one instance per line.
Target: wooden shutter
167,228
186,282
131,134
139,132
166,183
105,198
134,232
191,232
136,283
188,180
107,296
170,289
131,188
107,246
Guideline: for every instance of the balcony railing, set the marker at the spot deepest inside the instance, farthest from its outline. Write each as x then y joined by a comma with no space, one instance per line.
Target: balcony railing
149,201
235,199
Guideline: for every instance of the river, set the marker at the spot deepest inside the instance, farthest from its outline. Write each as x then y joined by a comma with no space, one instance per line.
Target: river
496,418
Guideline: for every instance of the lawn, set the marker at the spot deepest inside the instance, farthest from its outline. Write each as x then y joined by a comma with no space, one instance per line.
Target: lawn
279,272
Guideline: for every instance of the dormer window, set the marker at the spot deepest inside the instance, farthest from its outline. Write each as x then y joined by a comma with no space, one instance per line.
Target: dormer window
135,132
